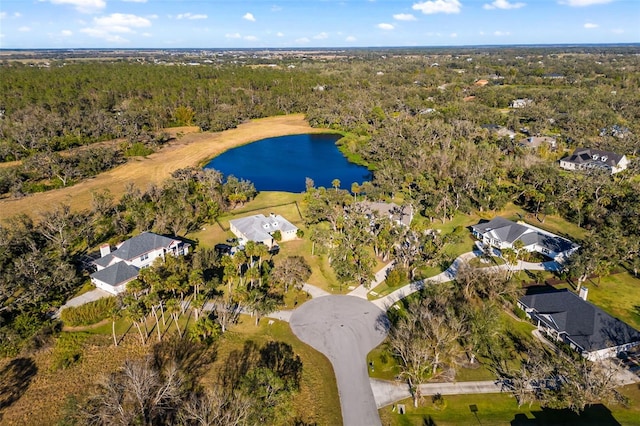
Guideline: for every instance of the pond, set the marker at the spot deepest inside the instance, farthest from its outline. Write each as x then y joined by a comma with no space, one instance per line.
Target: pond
283,163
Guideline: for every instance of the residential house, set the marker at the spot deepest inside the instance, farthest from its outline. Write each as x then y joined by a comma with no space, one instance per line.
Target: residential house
115,269
534,142
500,131
260,229
520,103
502,233
587,329
401,215
617,131
588,158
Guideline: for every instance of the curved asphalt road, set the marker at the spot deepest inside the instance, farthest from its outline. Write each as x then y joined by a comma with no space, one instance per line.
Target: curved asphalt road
345,329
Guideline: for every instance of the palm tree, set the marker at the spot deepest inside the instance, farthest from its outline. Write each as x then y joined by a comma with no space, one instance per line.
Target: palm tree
336,184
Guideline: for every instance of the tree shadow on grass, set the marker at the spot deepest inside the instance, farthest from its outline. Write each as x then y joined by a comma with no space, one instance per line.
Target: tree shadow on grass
596,415
15,379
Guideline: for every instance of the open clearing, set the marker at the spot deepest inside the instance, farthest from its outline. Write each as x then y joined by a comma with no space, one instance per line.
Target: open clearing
191,150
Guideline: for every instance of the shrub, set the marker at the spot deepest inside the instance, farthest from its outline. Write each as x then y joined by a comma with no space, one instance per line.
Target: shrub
138,150
89,313
68,350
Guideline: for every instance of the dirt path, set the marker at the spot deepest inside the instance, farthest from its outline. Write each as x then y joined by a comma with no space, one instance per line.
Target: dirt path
192,149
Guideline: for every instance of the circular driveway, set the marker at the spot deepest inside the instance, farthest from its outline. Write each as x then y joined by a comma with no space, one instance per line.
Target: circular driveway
345,329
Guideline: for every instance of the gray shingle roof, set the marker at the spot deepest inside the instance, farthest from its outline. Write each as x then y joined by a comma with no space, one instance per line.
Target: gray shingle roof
116,274
508,231
141,244
585,324
586,155
259,227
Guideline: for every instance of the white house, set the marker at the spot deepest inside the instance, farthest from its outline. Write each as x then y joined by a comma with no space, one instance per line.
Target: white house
587,158
115,269
502,233
587,329
260,228
520,103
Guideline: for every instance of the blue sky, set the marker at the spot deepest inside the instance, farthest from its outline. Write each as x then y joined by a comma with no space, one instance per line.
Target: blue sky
313,23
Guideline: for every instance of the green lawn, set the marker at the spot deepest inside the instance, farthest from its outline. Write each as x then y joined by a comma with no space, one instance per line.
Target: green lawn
502,409
619,295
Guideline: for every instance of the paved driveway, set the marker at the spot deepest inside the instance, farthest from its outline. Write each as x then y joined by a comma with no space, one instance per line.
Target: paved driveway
345,329
87,297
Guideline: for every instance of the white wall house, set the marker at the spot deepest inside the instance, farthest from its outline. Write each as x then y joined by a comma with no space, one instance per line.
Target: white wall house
502,233
565,317
587,158
115,269
260,228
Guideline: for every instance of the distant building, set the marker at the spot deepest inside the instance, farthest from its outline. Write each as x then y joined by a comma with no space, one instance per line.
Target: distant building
502,233
588,158
500,131
587,329
260,228
520,103
402,215
533,142
115,269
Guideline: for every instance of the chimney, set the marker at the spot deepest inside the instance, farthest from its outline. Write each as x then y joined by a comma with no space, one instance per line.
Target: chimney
584,292
105,249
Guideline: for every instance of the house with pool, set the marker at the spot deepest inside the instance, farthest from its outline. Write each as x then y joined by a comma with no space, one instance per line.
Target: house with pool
260,228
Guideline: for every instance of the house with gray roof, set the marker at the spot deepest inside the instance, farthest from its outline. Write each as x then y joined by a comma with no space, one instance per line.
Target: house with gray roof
566,317
115,269
260,228
588,158
502,233
533,142
401,215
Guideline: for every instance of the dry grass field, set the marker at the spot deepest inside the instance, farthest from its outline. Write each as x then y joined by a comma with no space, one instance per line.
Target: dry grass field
189,150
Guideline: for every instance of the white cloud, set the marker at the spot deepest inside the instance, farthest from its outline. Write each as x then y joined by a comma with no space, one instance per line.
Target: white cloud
191,16
280,34
386,27
582,3
404,17
501,33
83,6
302,40
3,15
154,16
503,4
251,38
438,6
24,29
17,14
321,36
453,35
232,35
617,31
590,25
147,35
350,39
249,17
66,33
134,1
111,26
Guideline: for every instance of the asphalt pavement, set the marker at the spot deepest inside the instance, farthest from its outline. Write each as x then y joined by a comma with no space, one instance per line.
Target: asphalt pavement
345,329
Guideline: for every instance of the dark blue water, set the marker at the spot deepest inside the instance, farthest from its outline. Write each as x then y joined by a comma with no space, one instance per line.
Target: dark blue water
283,163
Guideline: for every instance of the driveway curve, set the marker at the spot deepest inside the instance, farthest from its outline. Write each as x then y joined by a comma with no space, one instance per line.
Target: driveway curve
345,329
